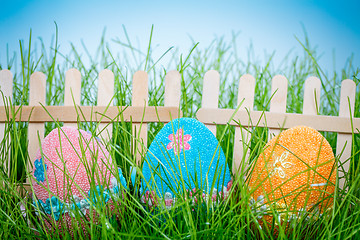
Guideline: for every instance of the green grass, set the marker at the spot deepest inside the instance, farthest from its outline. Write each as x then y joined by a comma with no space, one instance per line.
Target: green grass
232,219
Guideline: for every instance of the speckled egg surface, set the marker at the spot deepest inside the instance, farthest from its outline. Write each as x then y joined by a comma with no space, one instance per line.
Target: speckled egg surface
296,174
184,156
73,170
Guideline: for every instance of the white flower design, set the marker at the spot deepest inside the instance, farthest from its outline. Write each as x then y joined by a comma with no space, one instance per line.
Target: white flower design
280,165
258,207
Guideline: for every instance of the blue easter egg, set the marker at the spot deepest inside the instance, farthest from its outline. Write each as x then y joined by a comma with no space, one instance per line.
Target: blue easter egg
184,156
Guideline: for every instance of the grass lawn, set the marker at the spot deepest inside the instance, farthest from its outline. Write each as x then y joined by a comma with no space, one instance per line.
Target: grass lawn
230,219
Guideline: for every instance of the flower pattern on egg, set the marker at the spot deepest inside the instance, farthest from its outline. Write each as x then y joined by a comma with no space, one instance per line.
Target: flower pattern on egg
152,200
52,206
57,207
40,169
184,152
99,195
282,213
298,215
258,206
80,204
280,165
179,141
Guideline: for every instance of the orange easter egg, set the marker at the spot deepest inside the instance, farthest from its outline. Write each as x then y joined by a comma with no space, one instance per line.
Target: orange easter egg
293,178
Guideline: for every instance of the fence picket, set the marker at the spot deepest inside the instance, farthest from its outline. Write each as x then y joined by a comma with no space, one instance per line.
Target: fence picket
72,93
172,89
279,88
105,95
6,84
344,141
210,96
37,95
140,98
311,102
246,94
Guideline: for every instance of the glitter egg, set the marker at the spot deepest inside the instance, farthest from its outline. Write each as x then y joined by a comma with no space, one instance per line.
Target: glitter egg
185,157
293,178
73,176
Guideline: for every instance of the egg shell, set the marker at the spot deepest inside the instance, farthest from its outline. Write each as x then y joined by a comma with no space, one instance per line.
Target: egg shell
284,176
72,169
184,157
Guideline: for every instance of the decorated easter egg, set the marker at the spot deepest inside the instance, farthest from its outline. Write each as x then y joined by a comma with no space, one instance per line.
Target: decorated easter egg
73,176
185,157
293,178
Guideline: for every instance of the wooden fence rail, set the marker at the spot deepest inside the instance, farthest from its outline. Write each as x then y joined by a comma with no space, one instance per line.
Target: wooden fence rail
276,119
36,114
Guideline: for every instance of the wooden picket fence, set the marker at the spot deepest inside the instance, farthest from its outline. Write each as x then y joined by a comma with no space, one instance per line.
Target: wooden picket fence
140,114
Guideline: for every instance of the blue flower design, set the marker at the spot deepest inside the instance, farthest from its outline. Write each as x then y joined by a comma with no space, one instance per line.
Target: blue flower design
40,169
115,183
95,196
46,209
54,206
81,204
258,206
115,190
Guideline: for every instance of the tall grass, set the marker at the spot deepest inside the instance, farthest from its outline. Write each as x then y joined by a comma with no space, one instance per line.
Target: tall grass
232,219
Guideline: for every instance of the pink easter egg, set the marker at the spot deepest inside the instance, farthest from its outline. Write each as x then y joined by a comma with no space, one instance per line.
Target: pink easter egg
73,174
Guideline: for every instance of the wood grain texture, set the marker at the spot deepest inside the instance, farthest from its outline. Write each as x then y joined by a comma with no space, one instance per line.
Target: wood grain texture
210,95
311,102
140,99
6,85
172,89
36,130
274,120
72,94
246,94
344,140
105,98
279,88
70,114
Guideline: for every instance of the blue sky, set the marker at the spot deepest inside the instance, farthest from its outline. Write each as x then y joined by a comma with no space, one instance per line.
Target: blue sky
332,26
